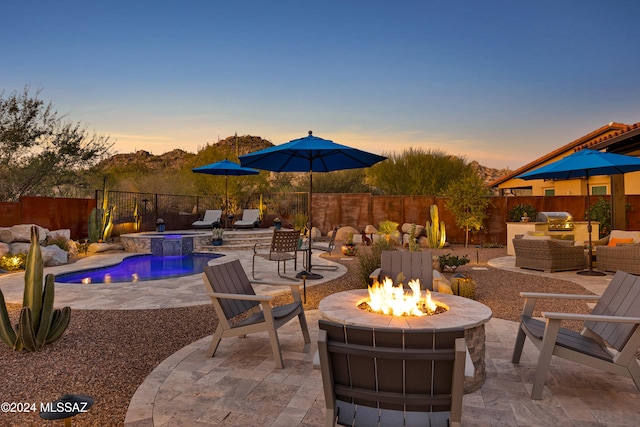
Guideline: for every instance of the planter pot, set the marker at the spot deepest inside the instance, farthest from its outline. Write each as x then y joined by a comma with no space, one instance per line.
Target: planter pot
217,242
349,250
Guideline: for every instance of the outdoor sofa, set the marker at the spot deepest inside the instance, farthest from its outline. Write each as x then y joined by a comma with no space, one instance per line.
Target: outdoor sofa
619,251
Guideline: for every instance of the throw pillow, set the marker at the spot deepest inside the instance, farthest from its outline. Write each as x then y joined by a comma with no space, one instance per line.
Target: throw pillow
615,240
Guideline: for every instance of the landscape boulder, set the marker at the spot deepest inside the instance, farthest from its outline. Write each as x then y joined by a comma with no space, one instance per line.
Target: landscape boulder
4,249
59,234
104,247
21,233
406,229
343,234
315,233
53,255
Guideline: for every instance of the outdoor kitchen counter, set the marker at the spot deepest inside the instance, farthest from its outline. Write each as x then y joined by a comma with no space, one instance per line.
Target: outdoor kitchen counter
579,232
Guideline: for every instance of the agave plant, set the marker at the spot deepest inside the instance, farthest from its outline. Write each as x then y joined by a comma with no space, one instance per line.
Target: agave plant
39,323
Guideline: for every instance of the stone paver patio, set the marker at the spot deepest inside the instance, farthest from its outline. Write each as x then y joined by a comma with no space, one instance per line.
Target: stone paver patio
240,386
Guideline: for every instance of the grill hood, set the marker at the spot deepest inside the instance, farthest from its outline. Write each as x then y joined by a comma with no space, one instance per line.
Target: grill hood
556,220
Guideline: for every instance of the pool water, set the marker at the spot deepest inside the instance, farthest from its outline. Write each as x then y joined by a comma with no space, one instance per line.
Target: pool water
140,268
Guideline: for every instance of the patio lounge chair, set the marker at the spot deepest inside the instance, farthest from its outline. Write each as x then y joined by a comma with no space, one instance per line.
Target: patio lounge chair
211,219
250,219
240,311
547,254
609,340
391,377
413,265
284,247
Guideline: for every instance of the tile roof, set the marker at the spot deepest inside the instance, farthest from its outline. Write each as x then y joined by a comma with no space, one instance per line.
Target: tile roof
597,140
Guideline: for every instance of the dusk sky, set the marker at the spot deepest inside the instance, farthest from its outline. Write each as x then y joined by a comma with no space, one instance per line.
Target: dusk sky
500,82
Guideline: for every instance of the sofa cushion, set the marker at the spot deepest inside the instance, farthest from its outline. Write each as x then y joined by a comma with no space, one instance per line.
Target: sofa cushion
621,234
531,237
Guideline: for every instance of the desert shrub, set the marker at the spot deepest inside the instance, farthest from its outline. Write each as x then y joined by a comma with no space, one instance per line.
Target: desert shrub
600,212
60,242
452,262
370,260
9,262
520,210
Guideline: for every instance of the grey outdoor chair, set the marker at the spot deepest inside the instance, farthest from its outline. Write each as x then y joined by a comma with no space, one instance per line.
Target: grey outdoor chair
412,265
609,340
240,311
391,377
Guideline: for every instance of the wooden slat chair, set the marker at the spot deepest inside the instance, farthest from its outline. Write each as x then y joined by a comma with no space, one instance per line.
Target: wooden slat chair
391,377
412,265
234,296
284,247
609,340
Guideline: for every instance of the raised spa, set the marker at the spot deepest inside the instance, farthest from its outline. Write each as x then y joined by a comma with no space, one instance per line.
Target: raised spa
182,243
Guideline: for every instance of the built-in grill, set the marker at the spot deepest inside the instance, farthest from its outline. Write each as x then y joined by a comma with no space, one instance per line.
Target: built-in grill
556,221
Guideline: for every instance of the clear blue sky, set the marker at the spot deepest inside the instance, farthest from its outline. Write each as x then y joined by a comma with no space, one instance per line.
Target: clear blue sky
500,82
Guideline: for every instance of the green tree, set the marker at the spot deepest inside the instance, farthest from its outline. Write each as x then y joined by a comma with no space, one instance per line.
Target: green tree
41,154
467,200
417,172
342,181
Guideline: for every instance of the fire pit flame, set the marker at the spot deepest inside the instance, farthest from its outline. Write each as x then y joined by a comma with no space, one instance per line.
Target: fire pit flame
392,300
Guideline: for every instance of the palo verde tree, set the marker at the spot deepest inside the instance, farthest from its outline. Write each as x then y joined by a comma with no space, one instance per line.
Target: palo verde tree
40,152
467,201
417,172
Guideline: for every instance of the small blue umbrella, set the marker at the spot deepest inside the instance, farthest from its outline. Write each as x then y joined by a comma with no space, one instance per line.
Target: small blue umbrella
226,168
309,154
583,164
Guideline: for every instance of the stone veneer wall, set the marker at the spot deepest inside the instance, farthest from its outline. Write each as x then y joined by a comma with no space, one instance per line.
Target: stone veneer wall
475,338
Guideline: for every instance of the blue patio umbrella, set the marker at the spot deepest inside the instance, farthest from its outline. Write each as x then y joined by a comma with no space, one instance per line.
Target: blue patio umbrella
583,164
309,154
226,168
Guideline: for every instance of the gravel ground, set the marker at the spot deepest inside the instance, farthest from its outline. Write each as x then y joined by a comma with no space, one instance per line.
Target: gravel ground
108,354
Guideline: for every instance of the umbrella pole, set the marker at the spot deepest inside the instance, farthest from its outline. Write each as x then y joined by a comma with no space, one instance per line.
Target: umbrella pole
590,271
307,274
226,201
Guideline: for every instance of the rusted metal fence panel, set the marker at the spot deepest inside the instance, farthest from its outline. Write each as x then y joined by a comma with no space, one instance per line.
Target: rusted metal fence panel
9,214
57,213
329,210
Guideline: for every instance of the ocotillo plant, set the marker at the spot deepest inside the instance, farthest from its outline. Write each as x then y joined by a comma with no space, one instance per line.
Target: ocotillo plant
436,234
39,322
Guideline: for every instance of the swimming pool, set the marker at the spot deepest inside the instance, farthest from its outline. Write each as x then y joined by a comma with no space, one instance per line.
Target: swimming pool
141,268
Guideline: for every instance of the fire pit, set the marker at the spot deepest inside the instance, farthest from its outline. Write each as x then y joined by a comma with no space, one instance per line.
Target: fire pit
342,307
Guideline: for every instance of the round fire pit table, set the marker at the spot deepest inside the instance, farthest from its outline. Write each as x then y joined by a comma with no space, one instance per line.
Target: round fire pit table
342,307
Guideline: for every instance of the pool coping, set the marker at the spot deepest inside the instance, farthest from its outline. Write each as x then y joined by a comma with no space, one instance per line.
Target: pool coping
182,291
